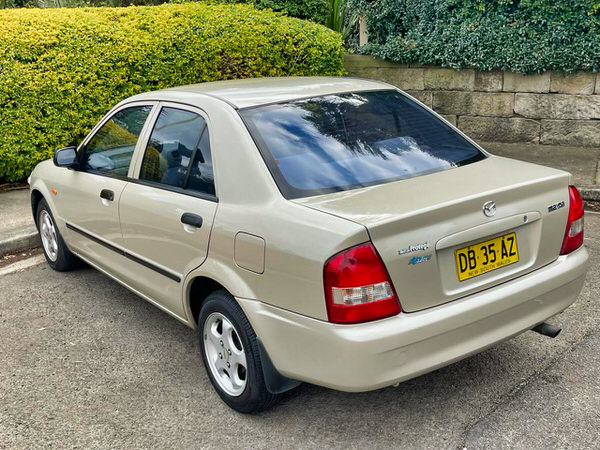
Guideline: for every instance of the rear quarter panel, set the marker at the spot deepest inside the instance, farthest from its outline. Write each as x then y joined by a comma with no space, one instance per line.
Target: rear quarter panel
297,243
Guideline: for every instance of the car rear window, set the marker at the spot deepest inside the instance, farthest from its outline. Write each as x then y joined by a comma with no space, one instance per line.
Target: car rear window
346,141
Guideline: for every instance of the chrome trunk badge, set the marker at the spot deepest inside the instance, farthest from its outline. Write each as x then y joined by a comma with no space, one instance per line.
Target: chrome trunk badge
414,248
489,208
556,206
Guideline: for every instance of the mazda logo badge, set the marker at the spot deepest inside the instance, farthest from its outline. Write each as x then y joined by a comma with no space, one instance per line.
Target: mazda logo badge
489,208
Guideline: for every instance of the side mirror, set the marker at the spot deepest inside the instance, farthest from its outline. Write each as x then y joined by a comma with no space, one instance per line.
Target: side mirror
66,157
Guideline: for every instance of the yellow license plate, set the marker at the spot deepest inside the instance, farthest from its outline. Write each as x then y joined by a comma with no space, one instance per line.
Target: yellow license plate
486,256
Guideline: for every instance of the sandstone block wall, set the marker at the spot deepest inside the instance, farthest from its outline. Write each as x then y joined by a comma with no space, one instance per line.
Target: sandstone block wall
549,108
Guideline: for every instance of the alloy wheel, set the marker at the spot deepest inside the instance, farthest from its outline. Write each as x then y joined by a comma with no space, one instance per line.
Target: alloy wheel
48,235
225,354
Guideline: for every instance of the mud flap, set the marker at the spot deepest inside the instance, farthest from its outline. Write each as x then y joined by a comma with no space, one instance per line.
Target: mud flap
276,383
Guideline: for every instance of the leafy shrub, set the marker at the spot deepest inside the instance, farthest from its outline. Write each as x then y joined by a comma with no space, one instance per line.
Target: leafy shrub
519,35
75,3
62,69
315,10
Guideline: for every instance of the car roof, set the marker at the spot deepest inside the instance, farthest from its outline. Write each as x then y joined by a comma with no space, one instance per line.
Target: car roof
260,91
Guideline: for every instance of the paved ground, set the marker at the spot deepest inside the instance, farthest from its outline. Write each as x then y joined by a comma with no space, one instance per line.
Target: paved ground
87,364
17,230
15,210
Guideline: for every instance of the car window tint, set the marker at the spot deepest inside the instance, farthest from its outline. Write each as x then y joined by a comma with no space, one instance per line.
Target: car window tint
346,141
110,150
178,152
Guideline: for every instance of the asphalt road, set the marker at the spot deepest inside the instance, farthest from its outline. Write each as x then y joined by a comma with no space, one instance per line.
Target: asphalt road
85,363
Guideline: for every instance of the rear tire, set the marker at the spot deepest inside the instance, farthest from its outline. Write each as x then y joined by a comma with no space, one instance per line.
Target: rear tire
231,356
58,256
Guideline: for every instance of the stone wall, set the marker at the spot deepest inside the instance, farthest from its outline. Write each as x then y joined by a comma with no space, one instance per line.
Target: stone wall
549,108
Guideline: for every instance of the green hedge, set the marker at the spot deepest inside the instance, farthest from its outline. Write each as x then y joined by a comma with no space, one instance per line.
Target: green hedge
62,69
315,10
518,35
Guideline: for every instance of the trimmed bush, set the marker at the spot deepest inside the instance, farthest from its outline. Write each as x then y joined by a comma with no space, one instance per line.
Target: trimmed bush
315,10
62,69
518,35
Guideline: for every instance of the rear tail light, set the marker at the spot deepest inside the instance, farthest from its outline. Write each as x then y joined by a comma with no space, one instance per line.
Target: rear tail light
574,232
358,287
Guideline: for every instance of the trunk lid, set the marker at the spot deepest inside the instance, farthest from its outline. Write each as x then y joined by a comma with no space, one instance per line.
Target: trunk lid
418,224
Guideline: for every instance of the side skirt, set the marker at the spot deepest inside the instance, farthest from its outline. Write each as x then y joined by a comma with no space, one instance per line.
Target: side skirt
135,291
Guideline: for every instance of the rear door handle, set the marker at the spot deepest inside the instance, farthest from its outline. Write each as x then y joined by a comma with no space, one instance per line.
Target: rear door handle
193,220
107,194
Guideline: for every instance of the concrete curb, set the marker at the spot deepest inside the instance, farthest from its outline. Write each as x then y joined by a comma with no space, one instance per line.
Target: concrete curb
590,194
20,242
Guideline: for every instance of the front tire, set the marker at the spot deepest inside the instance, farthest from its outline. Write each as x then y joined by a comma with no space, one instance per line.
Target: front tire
58,256
230,353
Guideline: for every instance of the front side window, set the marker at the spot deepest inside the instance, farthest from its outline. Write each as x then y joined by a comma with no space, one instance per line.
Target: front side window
110,150
178,152
346,141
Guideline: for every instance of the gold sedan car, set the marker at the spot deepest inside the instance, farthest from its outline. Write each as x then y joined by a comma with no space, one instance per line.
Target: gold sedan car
333,231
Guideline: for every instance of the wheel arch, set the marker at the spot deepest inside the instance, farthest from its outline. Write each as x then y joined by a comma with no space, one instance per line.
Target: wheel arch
198,289
38,192
211,276
36,198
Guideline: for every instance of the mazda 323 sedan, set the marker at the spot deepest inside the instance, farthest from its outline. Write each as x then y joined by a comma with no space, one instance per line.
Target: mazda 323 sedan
325,230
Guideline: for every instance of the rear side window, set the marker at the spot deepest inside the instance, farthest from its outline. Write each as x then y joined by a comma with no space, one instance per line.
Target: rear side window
111,148
178,152
345,141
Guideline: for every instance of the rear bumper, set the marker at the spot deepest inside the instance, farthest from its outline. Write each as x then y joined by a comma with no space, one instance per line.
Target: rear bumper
368,356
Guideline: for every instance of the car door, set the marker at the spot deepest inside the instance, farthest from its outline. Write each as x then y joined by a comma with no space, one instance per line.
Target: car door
167,214
90,195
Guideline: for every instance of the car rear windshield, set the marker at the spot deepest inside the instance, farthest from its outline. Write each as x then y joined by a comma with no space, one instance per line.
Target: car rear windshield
346,141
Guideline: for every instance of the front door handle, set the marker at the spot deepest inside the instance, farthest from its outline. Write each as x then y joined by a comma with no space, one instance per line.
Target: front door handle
107,194
193,220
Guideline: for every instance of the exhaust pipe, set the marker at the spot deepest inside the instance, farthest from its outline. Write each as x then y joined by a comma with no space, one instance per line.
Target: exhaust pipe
547,329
